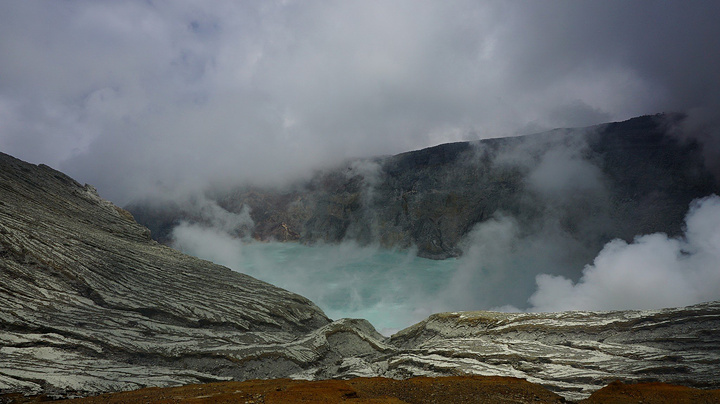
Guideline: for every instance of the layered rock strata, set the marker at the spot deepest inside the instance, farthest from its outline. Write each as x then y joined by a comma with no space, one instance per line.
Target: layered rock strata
574,353
89,303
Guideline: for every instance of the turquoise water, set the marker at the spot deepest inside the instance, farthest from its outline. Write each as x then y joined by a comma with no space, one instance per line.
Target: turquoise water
391,289
501,269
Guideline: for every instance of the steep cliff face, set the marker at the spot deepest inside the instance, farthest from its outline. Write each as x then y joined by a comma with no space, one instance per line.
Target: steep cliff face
90,304
599,183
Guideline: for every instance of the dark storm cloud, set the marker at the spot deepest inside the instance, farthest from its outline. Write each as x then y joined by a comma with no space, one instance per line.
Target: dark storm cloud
142,97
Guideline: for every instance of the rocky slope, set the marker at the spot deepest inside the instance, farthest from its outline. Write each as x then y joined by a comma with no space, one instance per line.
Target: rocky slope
90,304
608,181
573,353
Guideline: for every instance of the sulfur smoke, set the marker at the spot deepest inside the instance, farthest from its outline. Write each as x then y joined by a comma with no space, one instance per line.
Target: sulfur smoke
654,271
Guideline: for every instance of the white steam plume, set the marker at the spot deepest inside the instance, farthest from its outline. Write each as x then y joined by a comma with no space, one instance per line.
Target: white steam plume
207,243
652,272
215,233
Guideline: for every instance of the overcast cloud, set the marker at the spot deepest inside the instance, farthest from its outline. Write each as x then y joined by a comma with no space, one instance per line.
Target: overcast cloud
138,97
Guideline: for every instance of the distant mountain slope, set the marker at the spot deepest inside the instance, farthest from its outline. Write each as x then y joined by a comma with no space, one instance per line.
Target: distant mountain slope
609,181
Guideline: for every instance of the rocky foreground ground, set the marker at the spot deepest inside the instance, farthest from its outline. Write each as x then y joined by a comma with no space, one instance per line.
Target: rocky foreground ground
444,390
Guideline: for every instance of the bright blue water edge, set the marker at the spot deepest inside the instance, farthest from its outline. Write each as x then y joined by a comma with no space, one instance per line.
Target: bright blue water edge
391,289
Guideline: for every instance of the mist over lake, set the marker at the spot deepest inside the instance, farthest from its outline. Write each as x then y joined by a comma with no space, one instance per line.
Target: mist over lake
391,289
394,288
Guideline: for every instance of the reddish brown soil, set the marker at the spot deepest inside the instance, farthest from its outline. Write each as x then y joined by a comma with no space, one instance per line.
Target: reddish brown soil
457,389
657,393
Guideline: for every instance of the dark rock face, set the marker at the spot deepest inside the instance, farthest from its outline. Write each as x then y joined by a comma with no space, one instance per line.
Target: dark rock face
609,181
90,304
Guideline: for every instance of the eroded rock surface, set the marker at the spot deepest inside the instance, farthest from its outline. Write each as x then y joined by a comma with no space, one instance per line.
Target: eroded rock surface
90,304
573,353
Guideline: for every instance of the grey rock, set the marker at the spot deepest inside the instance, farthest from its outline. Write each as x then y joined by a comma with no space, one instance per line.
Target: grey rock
90,303
572,353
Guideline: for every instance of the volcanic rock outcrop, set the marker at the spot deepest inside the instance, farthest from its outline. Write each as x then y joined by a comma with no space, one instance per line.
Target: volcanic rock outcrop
573,353
89,303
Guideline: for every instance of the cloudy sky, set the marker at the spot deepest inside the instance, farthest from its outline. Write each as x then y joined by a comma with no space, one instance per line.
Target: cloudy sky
146,96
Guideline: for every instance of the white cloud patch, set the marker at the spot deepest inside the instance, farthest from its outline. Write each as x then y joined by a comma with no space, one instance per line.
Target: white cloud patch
213,233
564,170
652,272
208,243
